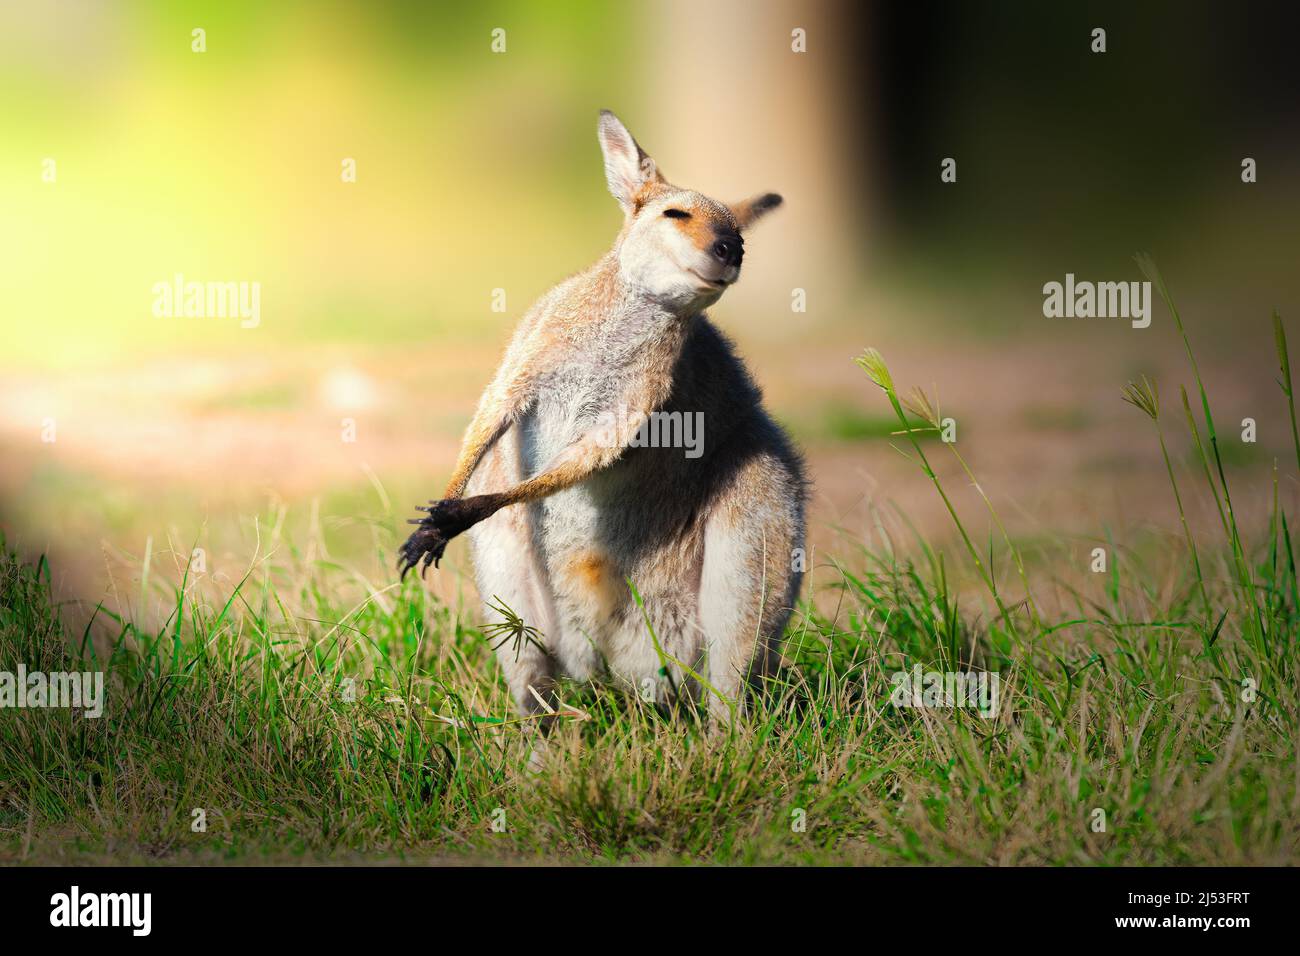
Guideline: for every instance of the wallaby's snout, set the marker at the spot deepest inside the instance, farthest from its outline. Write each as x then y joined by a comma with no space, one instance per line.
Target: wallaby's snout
729,248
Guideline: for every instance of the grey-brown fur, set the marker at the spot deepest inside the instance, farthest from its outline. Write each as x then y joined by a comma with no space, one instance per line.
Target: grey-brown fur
560,517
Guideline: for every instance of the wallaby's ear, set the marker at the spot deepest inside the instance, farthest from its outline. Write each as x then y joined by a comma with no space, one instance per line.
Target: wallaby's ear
748,211
627,167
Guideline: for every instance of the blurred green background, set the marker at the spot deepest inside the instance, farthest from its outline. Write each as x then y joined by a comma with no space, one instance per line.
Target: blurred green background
479,171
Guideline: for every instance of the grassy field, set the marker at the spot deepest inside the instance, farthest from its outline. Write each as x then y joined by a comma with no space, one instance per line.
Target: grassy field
308,715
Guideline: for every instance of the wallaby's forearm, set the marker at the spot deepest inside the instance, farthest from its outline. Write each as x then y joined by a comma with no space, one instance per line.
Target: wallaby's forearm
453,515
502,404
479,437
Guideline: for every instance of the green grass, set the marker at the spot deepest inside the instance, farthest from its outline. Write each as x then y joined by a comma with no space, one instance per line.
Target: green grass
845,422
1162,693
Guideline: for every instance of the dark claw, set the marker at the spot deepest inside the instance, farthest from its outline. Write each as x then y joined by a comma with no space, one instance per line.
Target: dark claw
424,545
443,521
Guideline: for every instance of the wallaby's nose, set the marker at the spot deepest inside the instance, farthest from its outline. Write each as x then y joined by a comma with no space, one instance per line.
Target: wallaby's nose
729,250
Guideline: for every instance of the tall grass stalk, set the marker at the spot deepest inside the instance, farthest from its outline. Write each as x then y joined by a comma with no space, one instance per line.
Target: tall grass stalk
921,405
1148,267
1284,363
873,363
1145,397
1195,431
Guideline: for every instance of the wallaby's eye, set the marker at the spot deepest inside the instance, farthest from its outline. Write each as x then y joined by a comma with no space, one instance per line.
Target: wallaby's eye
677,214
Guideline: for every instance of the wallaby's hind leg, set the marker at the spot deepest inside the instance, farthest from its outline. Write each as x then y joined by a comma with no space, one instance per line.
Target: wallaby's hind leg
748,584
509,573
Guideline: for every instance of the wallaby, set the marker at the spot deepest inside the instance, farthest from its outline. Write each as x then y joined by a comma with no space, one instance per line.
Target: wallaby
572,501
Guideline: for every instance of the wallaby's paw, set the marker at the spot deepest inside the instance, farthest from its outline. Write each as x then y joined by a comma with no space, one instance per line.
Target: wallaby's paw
443,520
426,543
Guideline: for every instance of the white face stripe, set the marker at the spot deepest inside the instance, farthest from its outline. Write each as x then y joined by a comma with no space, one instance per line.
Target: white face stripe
697,204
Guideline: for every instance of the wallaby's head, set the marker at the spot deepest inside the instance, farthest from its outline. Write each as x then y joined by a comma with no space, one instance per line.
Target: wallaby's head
678,247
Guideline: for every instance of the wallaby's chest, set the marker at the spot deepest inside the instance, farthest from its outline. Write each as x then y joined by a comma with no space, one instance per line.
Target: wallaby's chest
573,404
593,387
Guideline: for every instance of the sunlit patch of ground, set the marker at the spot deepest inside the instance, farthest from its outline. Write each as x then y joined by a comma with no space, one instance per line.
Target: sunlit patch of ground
328,449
